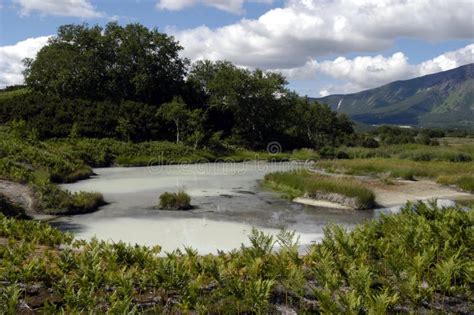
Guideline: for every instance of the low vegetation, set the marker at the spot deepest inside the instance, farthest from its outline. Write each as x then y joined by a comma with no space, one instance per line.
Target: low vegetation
414,152
343,190
175,201
460,174
418,261
41,165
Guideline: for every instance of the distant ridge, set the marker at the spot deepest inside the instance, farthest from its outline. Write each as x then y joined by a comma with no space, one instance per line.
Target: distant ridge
443,99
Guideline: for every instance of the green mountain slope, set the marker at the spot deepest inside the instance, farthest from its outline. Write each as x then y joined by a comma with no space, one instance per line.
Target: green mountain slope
443,99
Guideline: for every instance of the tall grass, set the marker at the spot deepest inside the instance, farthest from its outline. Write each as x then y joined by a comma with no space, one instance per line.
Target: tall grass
415,152
321,187
175,201
460,174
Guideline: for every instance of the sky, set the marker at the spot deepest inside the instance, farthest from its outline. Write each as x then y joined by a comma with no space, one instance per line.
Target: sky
322,46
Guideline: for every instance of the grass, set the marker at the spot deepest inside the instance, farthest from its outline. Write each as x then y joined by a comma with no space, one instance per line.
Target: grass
175,201
415,152
349,191
4,95
460,174
417,261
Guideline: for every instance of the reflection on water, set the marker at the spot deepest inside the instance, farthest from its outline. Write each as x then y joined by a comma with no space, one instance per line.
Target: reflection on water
228,202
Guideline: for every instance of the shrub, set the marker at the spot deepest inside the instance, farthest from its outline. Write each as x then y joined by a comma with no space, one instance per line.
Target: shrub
369,142
327,152
341,155
175,201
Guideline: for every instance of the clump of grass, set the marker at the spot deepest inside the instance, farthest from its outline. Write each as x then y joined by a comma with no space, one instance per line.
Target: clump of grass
386,178
351,192
175,201
53,200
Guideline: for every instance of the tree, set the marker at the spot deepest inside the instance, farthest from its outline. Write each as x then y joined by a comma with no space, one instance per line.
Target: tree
195,127
124,128
252,104
176,112
119,63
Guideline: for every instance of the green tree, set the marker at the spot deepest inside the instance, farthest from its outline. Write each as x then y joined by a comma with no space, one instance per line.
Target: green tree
252,104
124,128
195,127
131,62
176,112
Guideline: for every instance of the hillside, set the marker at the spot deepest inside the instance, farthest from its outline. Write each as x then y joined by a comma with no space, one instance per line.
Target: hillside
443,99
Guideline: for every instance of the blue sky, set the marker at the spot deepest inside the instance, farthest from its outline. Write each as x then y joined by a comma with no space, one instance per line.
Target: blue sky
323,47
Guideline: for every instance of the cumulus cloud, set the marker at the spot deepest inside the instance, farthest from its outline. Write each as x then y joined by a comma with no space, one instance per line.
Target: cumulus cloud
289,36
232,6
367,72
11,57
74,8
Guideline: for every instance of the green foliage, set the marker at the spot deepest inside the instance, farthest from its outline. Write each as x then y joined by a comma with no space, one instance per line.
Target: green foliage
41,165
128,82
115,62
175,201
321,187
419,260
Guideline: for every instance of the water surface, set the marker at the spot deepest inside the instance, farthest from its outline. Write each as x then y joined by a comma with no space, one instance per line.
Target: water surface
228,201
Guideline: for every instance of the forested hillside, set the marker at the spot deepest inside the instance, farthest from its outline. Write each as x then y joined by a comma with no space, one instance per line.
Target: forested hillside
444,99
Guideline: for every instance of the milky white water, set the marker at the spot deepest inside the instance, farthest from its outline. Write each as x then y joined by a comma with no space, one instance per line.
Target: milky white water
228,201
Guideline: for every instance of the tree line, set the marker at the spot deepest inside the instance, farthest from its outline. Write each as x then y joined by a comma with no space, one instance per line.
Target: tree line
130,82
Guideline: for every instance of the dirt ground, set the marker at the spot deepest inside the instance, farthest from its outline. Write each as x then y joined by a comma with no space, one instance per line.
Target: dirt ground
401,191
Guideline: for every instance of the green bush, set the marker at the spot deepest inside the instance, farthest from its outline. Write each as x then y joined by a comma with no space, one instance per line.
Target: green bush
327,152
175,201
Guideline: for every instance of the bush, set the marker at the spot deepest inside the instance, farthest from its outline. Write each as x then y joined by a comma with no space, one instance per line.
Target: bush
327,152
341,155
370,143
175,201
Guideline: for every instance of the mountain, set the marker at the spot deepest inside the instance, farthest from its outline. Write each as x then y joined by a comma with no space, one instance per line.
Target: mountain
443,99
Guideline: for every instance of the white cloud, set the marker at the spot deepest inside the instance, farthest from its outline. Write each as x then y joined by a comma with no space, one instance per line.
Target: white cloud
74,8
287,37
324,93
368,72
448,60
232,6
11,57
